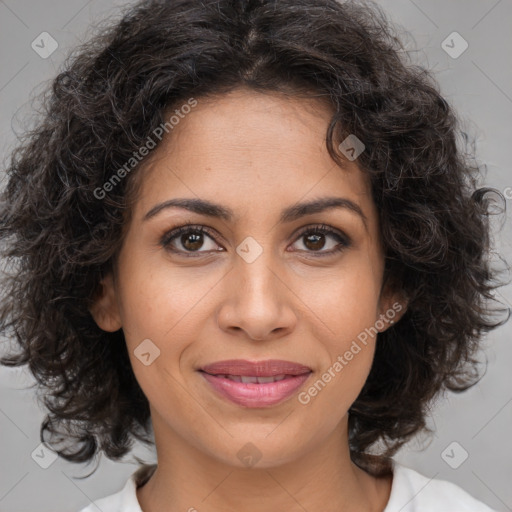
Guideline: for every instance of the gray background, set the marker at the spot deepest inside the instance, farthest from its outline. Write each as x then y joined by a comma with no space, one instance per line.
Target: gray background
477,83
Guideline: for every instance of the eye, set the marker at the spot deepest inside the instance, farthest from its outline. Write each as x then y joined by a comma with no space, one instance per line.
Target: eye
313,238
190,237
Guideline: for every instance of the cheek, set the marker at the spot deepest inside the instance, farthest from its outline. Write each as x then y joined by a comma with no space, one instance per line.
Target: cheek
344,302
162,311
344,308
160,302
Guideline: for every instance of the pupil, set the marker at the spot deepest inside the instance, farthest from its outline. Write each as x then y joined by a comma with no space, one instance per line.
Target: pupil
316,239
196,239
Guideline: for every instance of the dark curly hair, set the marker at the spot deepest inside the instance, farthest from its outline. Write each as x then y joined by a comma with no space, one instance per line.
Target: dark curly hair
59,239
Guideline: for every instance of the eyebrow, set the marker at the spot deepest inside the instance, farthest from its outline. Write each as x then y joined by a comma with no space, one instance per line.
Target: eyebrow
294,212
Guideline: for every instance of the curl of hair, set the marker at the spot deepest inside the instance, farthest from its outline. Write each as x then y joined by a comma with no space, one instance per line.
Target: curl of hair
59,239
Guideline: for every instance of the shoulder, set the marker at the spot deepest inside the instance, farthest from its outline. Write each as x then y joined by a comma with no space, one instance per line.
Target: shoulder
124,500
413,492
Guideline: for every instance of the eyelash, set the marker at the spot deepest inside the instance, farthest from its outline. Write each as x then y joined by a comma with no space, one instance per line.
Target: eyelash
169,236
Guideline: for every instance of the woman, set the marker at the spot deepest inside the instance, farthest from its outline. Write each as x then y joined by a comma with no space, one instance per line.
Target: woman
245,231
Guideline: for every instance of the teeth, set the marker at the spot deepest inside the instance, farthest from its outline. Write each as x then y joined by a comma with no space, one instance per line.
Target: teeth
246,380
277,377
263,380
254,380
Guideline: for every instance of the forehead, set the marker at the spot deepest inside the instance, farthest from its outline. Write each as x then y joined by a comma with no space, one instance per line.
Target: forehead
252,151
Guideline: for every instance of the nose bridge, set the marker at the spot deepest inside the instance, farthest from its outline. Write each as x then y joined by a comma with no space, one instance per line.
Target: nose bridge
257,301
255,269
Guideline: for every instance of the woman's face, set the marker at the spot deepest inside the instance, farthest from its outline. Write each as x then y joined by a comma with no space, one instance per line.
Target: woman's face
259,285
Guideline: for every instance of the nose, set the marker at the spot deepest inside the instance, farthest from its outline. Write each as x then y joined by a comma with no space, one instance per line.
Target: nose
257,301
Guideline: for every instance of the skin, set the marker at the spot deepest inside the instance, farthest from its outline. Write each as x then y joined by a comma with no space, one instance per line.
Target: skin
256,154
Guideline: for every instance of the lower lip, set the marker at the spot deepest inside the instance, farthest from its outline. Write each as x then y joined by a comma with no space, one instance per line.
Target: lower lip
253,394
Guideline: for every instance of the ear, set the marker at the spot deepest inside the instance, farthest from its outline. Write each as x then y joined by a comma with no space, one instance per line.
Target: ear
392,306
105,309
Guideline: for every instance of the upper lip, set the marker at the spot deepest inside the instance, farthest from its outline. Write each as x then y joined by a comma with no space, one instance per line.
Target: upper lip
267,368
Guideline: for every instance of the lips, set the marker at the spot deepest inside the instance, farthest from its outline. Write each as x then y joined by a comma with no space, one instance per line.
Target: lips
255,384
267,368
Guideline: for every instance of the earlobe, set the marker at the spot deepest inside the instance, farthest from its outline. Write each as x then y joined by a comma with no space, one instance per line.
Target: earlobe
393,306
394,313
104,308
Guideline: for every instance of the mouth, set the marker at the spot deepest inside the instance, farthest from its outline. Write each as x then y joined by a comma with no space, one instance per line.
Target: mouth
246,379
255,384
